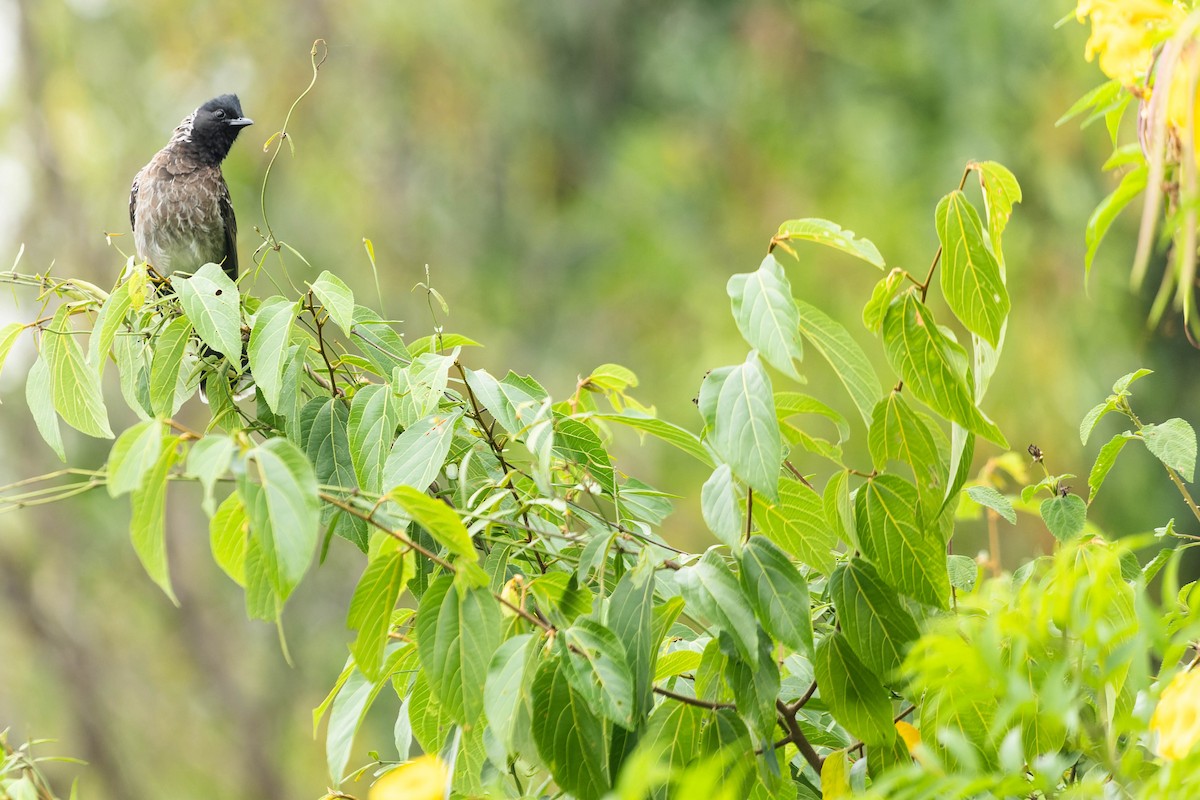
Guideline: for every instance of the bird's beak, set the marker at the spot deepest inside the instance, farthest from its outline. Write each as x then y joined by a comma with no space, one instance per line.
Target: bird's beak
240,122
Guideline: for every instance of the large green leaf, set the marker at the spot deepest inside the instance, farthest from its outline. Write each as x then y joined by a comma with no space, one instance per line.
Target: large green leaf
336,298
506,688
374,600
349,702
797,523
970,274
672,736
268,349
723,508
209,460
714,596
1174,444
1000,192
510,401
599,670
382,346
630,617
108,323
458,630
849,362
895,537
292,511
875,622
576,443
572,739
210,300
1105,460
75,386
901,433
830,234
374,415
437,518
135,453
417,455
166,364
227,537
147,527
778,593
933,367
854,695
40,398
1064,515
767,316
421,386
739,410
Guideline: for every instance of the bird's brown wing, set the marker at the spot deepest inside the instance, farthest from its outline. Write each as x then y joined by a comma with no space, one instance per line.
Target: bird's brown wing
229,222
133,190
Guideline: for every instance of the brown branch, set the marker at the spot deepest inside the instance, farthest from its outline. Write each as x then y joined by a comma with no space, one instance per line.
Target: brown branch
796,736
711,705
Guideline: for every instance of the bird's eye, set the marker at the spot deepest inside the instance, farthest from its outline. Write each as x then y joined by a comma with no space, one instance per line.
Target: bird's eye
219,113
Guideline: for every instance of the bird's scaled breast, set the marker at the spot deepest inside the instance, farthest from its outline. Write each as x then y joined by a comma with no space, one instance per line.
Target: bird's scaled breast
179,226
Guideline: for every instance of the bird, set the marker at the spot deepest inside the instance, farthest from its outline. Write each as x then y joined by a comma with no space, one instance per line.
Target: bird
179,204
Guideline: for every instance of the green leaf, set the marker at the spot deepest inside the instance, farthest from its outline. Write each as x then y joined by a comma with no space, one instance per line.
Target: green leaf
513,404
990,498
932,367
894,536
970,274
849,362
767,316
227,531
75,387
571,738
667,432
1065,516
421,386
1093,417
598,670
268,348
872,617
374,416
714,596
723,507
755,688
504,688
440,343
292,511
417,456
374,599
1000,192
797,523
382,346
40,398
1121,386
147,528
1174,444
1105,460
676,662
336,298
561,597
964,572
132,355
672,737
790,404
108,323
135,453
166,365
882,295
576,443
778,593
854,695
631,618
208,460
901,433
739,410
437,518
830,234
1110,207
328,446
210,300
350,707
458,630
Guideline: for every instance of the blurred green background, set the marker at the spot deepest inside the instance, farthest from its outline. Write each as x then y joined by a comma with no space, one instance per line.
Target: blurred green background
581,179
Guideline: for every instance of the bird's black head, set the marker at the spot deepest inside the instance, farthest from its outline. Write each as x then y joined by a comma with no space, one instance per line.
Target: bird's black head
214,126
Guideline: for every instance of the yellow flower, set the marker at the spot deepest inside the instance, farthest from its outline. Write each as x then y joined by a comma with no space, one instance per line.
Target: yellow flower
1124,33
1176,719
423,778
